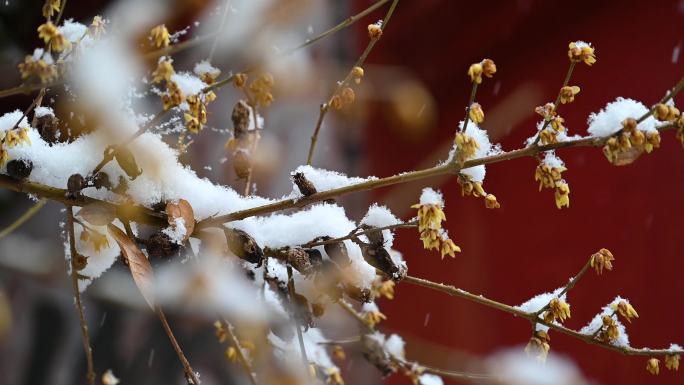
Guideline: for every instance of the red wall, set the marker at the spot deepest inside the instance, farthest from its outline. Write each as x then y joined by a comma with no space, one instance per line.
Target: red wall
528,246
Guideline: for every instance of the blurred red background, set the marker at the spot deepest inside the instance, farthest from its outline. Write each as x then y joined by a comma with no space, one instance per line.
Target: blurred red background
528,246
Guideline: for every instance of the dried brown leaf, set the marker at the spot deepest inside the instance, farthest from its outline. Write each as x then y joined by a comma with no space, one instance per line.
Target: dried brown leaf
183,210
141,270
98,213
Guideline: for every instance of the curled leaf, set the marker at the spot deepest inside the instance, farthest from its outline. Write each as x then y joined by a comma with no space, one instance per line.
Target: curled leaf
141,270
98,213
181,210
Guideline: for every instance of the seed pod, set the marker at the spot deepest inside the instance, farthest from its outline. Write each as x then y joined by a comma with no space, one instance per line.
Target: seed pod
48,128
315,258
302,311
19,169
80,262
375,353
160,245
240,117
378,257
304,185
127,162
101,180
242,164
375,237
75,184
337,253
244,246
299,259
358,293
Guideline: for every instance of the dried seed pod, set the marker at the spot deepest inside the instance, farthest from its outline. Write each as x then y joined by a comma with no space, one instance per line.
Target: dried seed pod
302,310
75,184
358,293
127,162
80,262
101,180
375,237
19,169
242,164
304,185
315,258
240,117
375,353
378,257
160,245
298,258
337,252
48,128
244,246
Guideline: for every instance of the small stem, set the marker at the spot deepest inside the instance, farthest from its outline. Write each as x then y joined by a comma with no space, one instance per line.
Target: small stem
90,375
241,356
23,218
325,107
61,12
293,306
568,75
568,286
356,233
189,373
473,92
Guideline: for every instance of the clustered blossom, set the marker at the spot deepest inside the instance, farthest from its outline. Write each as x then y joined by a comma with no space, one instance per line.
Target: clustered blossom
53,37
629,143
50,7
11,138
549,135
579,51
626,310
557,310
486,67
39,68
603,259
549,175
476,113
159,36
466,147
539,345
567,94
346,96
430,217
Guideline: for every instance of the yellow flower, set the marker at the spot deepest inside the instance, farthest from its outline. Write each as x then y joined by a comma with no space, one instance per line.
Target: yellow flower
626,310
192,123
383,288
672,362
652,141
333,376
338,351
491,202
562,195
51,36
653,366
348,96
547,136
239,80
539,345
164,71
602,260
475,72
4,156
173,96
431,239
97,27
50,7
39,68
666,113
23,135
475,113
547,111
466,146
374,31
357,74
160,36
221,333
448,247
557,124
581,52
558,309
231,354
610,331
567,94
488,68
468,187
373,317
261,88
430,216
12,138
548,176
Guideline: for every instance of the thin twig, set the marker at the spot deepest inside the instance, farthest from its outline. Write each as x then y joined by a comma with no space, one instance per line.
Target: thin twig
473,92
566,81
23,218
240,354
293,306
358,232
189,372
531,317
90,375
325,107
569,285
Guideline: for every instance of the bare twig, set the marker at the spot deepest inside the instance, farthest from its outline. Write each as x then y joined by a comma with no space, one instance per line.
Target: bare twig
556,103
293,308
23,218
90,375
189,372
325,107
240,354
571,283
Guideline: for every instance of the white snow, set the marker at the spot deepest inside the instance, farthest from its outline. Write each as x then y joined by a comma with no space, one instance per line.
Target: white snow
431,197
516,368
325,180
73,31
381,216
177,231
537,302
430,379
41,111
204,67
609,120
188,83
290,352
552,160
395,346
597,322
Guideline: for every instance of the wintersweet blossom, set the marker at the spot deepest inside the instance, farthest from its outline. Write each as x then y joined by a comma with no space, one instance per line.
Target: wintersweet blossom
159,36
